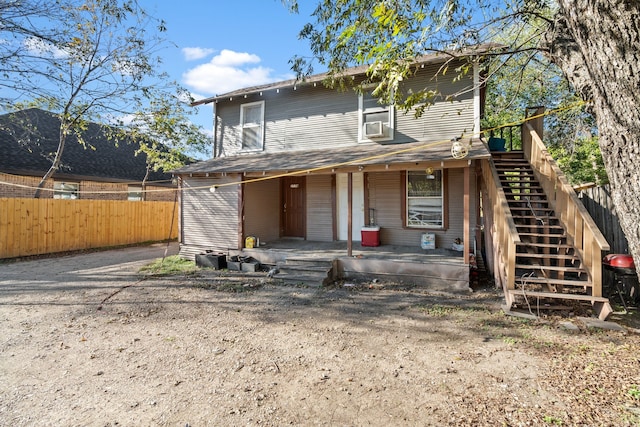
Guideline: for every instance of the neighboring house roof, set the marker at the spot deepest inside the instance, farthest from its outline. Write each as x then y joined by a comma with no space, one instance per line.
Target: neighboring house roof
354,71
29,150
362,155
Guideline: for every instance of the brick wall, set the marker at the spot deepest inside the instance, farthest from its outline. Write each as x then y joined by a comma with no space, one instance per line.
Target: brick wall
17,190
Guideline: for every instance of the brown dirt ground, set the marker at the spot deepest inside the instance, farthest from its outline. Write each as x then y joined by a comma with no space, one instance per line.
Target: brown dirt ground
86,340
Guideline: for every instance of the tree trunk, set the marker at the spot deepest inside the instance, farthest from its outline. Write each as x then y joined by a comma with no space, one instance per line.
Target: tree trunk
144,183
597,45
62,138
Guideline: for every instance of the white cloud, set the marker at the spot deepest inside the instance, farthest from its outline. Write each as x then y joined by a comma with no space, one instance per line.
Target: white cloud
228,71
193,53
41,47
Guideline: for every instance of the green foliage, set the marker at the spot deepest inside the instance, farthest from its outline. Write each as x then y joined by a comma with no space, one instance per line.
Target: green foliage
548,419
171,265
387,37
97,61
583,164
634,392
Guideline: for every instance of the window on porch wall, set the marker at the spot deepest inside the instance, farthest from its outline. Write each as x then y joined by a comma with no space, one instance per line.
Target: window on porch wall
424,199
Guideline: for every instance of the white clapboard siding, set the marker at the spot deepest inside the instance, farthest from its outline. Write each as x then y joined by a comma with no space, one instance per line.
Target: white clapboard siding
209,220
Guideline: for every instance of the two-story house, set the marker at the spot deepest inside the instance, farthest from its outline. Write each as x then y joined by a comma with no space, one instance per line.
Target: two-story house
299,165
299,160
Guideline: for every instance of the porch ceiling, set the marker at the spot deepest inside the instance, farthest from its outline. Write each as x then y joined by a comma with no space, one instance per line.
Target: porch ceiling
336,158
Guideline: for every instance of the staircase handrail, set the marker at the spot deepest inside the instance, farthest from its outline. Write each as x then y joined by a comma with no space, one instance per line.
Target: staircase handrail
580,227
503,227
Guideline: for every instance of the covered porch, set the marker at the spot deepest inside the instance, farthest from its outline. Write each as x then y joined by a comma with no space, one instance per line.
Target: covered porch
319,263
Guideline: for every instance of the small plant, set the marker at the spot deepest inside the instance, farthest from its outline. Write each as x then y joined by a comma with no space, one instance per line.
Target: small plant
509,340
548,419
170,265
438,310
634,392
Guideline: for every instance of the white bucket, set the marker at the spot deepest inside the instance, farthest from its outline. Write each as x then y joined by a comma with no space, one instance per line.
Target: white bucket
428,241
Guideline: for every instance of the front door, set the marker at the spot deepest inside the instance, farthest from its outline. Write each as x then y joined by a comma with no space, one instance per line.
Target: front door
357,220
294,211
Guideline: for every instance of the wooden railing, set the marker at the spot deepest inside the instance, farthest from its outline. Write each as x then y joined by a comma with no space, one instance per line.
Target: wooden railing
582,231
503,231
43,226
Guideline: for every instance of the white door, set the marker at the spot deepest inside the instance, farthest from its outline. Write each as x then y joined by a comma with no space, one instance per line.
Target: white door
343,209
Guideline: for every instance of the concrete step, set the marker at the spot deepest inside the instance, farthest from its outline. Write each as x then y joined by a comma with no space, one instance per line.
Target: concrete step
303,277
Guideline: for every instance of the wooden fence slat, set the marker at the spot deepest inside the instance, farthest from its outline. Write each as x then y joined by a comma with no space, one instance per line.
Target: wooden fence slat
41,226
599,204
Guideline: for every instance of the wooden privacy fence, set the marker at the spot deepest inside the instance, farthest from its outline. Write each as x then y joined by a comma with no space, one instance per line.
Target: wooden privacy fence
599,204
41,226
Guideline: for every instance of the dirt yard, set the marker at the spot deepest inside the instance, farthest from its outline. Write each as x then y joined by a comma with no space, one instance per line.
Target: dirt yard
86,340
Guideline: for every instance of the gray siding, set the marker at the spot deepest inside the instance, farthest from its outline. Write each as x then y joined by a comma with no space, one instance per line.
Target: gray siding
445,119
319,208
316,117
387,198
209,220
262,210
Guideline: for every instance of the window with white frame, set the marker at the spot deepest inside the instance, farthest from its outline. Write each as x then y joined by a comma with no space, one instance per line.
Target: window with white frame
425,199
65,190
376,120
134,193
252,123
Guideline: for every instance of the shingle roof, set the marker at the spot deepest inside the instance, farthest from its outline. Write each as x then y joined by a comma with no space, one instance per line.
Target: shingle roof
358,155
29,150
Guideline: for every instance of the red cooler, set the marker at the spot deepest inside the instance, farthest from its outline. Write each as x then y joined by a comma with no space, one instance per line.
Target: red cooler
370,235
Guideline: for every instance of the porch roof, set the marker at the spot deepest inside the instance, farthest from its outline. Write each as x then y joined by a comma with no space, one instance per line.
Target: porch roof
336,158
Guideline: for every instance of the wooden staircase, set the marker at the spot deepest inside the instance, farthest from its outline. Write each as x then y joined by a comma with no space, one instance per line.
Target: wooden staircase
547,265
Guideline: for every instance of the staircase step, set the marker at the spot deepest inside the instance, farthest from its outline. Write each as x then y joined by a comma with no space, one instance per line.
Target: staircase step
508,180
545,245
529,186
308,274
558,257
540,201
543,217
518,292
527,208
552,268
549,226
549,235
548,281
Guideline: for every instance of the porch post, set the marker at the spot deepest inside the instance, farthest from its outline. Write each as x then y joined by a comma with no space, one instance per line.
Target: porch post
349,214
241,215
466,228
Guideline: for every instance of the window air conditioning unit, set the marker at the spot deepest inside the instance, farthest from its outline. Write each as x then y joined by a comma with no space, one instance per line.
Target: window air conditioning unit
373,129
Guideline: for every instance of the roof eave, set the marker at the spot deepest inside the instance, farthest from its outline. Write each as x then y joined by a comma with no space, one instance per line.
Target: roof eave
354,71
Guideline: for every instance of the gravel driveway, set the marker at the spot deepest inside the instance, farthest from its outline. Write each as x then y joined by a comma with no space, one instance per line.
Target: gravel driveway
87,341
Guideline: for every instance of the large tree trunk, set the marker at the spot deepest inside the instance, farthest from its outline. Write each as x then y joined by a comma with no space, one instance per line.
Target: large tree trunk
597,45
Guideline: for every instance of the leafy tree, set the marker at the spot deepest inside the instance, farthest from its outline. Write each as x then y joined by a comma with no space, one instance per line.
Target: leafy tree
92,61
593,42
530,80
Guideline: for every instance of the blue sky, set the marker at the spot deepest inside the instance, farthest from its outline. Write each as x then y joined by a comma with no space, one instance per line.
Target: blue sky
227,45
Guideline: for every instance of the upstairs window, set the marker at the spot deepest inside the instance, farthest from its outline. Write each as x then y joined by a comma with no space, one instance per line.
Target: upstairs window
425,199
252,123
65,190
376,120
